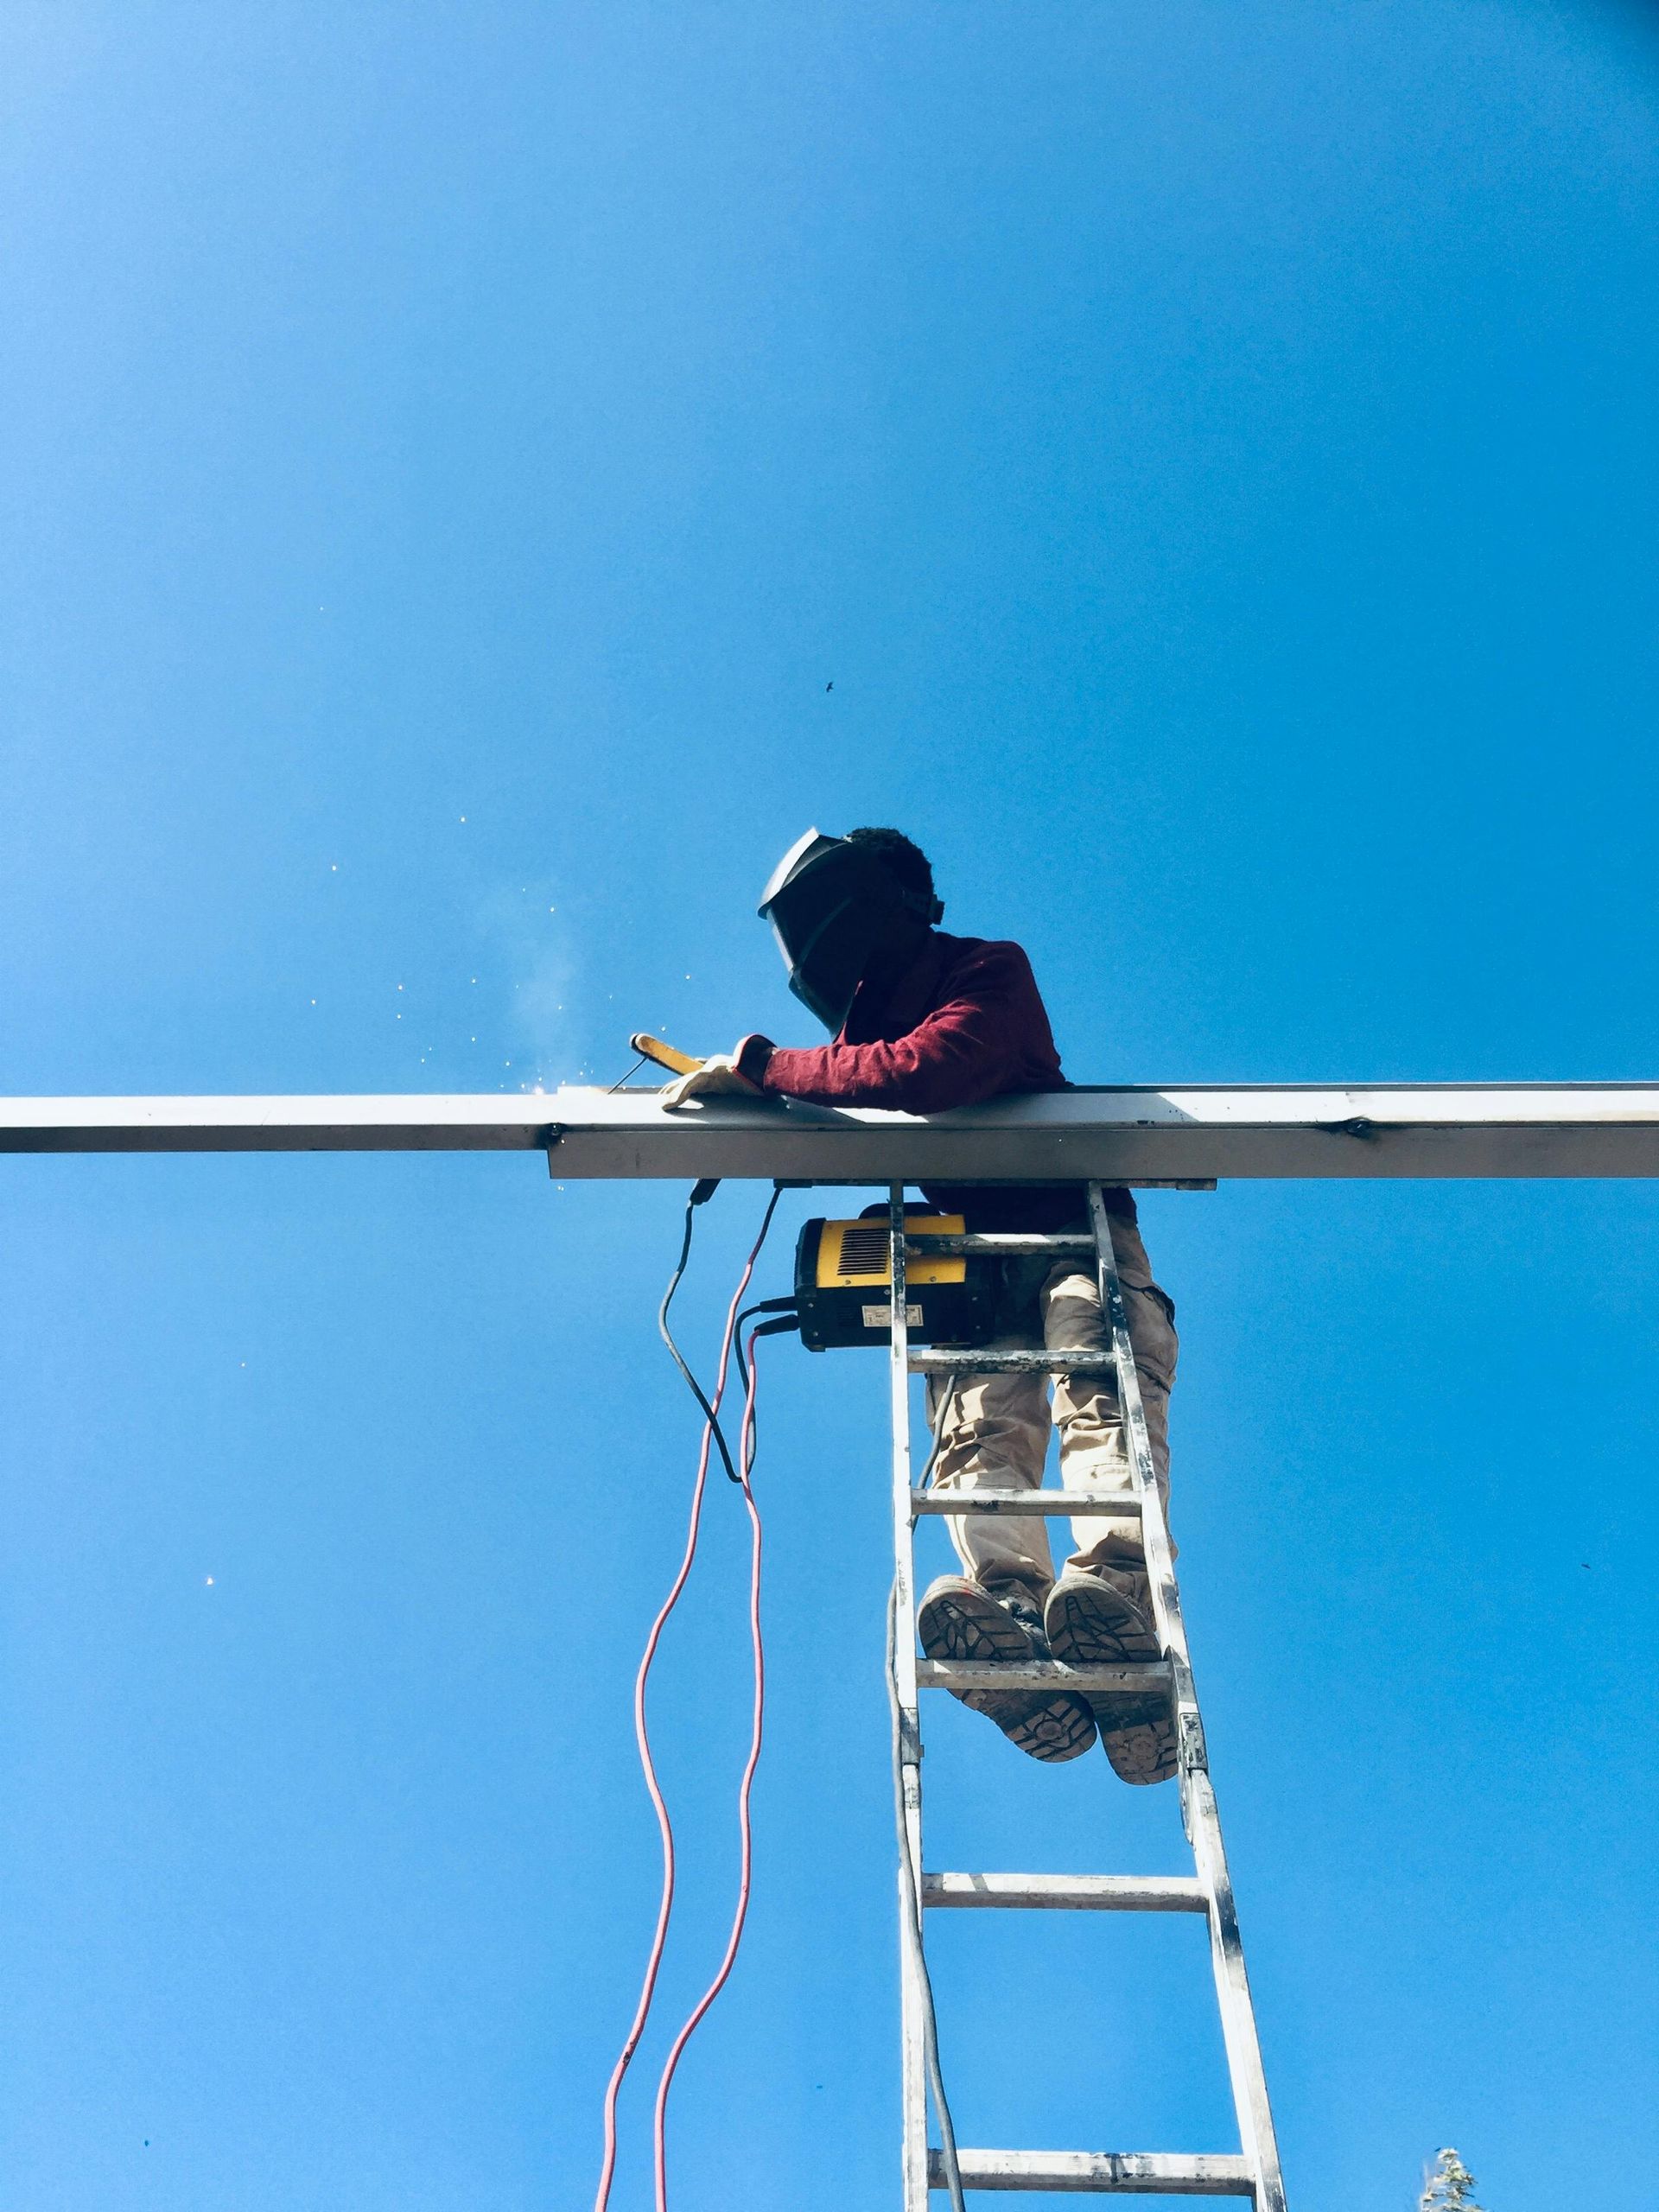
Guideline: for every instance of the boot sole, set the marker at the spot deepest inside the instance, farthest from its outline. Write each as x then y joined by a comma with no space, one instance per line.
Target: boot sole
1091,1624
970,1625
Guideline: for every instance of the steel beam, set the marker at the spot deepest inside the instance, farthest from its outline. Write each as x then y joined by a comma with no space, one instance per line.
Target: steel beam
1188,1134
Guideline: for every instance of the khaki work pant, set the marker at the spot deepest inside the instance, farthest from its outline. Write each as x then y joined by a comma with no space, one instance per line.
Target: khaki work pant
996,1427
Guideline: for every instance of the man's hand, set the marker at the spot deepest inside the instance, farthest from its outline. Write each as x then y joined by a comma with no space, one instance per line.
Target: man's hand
717,1078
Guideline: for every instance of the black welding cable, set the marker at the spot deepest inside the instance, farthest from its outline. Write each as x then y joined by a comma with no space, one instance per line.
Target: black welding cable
789,1317
701,1193
912,1904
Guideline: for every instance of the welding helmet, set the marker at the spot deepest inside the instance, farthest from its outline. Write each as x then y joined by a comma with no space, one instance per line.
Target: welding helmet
830,904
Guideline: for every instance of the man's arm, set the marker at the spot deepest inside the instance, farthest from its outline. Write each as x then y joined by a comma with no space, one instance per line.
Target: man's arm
969,1048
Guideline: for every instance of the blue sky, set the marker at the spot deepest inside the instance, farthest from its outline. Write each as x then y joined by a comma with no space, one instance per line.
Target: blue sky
449,452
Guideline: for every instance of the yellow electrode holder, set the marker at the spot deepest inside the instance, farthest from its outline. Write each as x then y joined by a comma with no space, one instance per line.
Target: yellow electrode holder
652,1048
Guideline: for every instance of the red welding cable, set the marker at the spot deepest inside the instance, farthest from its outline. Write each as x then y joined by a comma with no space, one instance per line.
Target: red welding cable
665,1829
745,1829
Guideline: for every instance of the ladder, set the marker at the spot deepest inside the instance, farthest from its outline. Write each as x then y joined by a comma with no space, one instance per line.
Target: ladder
1252,2171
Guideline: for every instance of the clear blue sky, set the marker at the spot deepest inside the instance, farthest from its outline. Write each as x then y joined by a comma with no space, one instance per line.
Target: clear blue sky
449,452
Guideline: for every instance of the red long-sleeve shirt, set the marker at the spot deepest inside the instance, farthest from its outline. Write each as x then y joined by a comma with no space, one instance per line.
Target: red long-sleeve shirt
964,1022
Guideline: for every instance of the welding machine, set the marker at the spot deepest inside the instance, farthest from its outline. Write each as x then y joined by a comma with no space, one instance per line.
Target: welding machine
843,1283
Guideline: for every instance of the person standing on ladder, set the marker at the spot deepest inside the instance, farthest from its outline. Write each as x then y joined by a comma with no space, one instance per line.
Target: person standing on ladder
924,1021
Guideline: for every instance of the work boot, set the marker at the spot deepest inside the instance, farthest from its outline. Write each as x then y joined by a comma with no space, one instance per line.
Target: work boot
960,1619
1102,1617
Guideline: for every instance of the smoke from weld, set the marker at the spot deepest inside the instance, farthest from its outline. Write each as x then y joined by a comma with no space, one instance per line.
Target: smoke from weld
537,960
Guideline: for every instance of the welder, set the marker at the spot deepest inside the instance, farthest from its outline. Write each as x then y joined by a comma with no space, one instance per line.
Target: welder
922,1021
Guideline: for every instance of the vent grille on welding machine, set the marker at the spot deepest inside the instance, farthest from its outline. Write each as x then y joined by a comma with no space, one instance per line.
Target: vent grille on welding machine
863,1249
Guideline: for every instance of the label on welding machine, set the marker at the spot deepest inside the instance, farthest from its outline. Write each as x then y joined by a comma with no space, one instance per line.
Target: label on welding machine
881,1317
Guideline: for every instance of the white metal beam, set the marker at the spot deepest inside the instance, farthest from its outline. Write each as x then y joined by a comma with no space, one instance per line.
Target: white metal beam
1186,1133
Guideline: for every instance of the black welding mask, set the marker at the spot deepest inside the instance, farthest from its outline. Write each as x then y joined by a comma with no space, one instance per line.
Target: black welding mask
830,904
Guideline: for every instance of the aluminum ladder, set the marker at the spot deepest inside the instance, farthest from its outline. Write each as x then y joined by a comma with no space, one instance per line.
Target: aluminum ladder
1252,2171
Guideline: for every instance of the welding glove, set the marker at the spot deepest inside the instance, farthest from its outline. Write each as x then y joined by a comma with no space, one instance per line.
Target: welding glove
718,1077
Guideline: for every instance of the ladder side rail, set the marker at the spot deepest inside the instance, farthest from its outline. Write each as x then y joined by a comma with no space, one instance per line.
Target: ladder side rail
911,1999
1199,1807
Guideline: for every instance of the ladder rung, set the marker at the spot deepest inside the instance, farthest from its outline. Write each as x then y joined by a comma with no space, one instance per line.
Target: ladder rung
1141,2173
1145,1678
1118,1504
1010,1245
1011,1363
1067,1892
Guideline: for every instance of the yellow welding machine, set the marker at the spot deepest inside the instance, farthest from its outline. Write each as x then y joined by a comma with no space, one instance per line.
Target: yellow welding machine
843,1284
